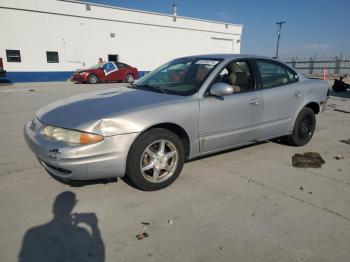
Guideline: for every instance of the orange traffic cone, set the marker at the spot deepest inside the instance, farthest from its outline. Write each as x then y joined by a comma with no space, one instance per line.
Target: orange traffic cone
324,74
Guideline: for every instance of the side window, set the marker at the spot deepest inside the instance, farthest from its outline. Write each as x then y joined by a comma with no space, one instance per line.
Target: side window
13,56
293,76
109,68
274,74
237,74
121,65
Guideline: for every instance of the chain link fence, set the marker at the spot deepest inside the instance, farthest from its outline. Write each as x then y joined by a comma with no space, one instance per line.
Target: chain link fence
334,66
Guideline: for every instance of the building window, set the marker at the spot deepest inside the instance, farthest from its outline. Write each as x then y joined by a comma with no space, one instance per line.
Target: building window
113,58
52,57
13,56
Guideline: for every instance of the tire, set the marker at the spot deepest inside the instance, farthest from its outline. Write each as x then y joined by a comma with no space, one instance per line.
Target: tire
304,128
146,159
129,78
93,79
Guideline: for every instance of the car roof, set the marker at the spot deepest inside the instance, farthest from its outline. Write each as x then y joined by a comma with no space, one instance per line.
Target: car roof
229,57
232,56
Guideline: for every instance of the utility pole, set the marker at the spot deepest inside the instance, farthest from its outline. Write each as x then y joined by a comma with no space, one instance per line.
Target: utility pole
279,24
174,11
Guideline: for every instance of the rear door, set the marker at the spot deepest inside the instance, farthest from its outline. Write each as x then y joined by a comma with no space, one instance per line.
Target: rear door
283,97
122,71
233,119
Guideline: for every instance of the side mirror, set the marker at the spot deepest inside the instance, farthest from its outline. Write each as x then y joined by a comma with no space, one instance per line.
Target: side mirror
221,89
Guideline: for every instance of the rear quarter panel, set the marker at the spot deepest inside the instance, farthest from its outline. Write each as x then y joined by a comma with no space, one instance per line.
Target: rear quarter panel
136,73
316,91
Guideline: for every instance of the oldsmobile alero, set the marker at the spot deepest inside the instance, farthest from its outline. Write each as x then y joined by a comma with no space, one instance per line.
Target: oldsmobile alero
189,107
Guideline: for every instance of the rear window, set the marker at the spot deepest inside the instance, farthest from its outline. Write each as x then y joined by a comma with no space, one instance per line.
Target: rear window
121,65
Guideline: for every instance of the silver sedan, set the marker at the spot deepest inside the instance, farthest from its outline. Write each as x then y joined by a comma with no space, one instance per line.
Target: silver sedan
187,108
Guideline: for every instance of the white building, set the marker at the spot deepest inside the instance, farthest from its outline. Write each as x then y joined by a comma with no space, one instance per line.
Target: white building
46,40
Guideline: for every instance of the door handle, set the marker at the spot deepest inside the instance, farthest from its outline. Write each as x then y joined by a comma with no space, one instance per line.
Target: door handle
297,94
254,102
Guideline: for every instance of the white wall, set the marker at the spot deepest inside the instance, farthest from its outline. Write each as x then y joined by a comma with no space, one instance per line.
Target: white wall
142,39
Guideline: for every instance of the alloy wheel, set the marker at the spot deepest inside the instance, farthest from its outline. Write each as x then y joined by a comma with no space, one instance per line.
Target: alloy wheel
159,161
129,78
93,79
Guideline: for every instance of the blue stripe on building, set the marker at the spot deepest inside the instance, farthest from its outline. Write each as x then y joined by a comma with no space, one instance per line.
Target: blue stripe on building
20,77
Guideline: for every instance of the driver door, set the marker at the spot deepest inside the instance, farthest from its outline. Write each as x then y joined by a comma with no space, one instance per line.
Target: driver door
110,71
234,119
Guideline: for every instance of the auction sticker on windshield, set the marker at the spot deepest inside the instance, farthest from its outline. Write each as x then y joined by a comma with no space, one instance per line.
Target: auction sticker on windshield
207,62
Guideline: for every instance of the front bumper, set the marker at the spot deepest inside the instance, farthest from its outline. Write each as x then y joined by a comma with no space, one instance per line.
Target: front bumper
77,77
105,159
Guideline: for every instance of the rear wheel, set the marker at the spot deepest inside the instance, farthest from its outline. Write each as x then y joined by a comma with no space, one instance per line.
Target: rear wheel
155,159
304,128
129,78
92,79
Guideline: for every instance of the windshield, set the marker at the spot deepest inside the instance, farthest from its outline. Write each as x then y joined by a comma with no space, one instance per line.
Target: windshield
182,76
94,66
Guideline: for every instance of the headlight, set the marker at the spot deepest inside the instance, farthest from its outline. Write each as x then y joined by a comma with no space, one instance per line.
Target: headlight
71,136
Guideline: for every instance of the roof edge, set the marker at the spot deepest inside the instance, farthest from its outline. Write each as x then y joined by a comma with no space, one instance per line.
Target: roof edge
148,12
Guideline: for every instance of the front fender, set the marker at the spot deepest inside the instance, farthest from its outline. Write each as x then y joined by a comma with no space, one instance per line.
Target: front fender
183,114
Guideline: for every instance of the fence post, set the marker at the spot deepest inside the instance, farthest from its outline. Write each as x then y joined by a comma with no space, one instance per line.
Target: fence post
337,65
311,67
293,62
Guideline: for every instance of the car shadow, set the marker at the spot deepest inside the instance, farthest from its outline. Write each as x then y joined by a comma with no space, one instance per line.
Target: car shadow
65,237
125,179
82,183
5,82
344,94
227,151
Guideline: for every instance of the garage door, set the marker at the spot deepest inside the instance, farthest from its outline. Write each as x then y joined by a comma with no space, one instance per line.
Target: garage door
221,45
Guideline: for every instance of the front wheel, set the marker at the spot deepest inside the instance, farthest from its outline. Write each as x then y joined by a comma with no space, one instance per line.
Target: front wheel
155,159
304,128
92,79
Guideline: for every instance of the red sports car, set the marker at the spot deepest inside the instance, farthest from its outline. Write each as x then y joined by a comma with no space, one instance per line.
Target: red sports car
110,71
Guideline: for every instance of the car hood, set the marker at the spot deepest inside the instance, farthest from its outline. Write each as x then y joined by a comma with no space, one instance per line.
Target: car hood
84,70
98,111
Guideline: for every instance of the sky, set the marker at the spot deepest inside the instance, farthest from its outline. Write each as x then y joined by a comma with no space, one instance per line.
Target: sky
318,28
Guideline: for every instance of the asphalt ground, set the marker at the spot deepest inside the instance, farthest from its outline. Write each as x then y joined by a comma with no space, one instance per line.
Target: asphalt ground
247,204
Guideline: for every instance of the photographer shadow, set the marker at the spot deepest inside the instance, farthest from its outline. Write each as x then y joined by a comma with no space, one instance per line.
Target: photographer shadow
62,239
